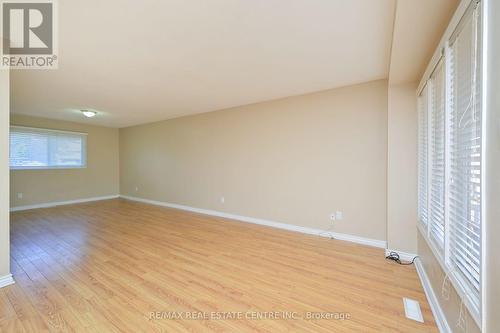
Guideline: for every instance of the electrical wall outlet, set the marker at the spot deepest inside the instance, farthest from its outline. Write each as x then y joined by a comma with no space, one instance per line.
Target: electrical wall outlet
19,195
137,188
222,200
333,216
339,215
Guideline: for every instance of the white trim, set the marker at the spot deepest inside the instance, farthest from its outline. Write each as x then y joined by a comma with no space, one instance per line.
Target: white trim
62,167
405,256
437,311
61,203
487,116
430,88
279,225
447,144
6,280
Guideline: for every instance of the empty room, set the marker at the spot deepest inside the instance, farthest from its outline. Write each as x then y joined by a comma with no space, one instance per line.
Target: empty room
250,166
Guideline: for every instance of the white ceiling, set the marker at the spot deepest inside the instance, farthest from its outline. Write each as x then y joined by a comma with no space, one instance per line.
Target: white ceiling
146,60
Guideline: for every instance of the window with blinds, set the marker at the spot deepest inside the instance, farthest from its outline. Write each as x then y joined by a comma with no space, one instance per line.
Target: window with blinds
450,158
34,148
465,155
437,149
422,156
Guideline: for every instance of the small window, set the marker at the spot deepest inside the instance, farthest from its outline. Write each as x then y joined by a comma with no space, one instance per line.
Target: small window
36,148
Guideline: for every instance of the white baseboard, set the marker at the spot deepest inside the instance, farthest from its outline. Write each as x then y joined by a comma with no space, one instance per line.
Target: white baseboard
6,280
405,256
290,227
439,316
61,203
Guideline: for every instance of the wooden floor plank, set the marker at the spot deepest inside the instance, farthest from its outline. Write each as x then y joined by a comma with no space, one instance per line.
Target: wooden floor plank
108,266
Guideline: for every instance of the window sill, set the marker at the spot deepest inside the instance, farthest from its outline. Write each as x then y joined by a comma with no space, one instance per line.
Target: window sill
48,168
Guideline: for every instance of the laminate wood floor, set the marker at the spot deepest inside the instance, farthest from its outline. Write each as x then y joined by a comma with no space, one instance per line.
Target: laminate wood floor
121,266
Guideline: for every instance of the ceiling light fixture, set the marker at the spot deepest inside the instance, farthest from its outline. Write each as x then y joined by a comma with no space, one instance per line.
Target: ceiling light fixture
89,114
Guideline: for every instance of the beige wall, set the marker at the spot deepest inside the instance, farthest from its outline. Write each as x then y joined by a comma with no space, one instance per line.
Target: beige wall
436,275
294,160
99,178
4,174
491,260
402,168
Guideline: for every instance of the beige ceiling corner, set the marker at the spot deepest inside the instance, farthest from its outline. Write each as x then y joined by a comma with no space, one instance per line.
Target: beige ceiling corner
418,27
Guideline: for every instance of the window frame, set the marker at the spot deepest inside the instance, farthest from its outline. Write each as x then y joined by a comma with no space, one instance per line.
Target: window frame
28,129
443,255
423,184
443,62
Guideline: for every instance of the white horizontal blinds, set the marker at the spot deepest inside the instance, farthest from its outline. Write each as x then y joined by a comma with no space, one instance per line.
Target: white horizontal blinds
437,148
465,156
66,150
423,156
28,149
32,148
